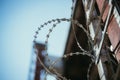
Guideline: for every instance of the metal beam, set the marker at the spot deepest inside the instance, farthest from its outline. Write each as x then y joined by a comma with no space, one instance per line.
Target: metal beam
97,48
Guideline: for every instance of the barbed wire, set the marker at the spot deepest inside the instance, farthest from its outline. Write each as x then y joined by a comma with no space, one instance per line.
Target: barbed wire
88,71
51,70
48,70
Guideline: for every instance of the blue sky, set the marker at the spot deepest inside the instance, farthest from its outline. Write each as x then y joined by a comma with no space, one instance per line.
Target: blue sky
19,20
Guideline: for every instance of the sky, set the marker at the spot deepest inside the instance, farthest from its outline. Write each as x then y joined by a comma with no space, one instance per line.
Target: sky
19,20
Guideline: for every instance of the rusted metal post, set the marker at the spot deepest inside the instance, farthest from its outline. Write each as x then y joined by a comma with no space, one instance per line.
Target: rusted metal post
39,67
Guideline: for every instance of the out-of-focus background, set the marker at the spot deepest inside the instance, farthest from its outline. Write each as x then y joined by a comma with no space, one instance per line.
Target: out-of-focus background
19,20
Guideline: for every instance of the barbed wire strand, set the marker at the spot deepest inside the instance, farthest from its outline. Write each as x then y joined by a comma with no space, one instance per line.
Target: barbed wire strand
63,19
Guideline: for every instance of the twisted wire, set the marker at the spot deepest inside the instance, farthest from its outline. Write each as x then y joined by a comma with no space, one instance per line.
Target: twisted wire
64,56
89,68
90,42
